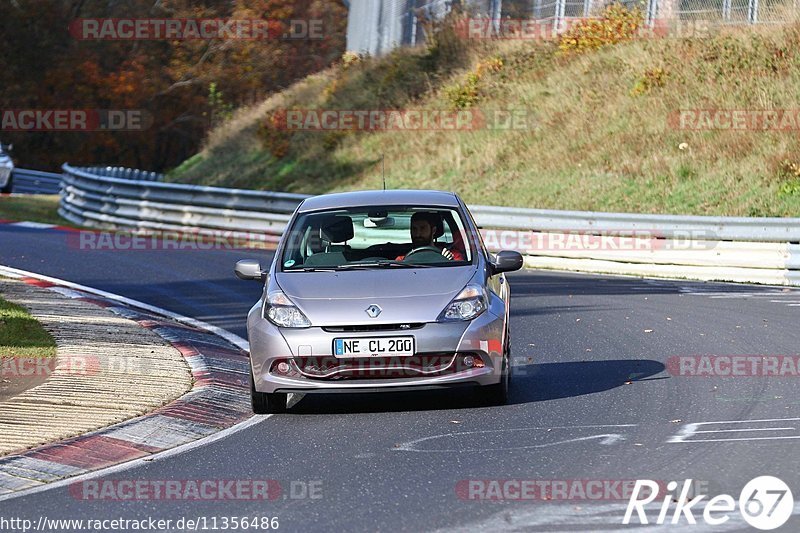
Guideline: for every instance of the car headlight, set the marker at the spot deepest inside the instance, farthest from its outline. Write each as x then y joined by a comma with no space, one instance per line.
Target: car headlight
469,303
280,310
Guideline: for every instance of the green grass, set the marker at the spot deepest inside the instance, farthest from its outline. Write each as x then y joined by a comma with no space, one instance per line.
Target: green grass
33,208
602,138
21,335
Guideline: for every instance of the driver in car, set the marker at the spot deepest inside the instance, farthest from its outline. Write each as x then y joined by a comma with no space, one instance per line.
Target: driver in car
423,228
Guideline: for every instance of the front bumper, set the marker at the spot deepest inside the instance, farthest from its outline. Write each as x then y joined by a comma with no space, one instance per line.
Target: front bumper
5,175
481,338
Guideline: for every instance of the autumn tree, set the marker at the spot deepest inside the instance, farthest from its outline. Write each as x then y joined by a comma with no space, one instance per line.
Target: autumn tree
46,67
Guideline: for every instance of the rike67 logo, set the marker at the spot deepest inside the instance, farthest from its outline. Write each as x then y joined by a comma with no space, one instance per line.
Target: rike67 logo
765,503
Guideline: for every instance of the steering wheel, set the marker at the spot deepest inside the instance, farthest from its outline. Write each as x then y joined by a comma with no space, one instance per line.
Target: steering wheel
421,249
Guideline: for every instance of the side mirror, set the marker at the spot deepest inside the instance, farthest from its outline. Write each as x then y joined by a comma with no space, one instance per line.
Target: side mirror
507,261
249,269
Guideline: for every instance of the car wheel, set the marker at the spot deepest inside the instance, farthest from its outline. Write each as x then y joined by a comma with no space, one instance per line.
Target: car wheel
265,403
8,186
498,394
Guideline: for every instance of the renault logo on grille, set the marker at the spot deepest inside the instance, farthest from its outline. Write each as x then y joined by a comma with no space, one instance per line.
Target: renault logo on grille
373,311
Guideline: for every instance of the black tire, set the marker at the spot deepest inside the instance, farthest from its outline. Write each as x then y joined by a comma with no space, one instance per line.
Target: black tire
493,395
265,403
8,186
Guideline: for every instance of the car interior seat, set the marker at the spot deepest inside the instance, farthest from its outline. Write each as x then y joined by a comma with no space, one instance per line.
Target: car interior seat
331,247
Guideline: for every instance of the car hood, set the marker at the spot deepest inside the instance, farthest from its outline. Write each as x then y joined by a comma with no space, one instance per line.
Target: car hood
404,295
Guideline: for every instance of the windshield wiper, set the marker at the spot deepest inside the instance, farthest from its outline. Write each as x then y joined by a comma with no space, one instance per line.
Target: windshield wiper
381,264
311,269
358,266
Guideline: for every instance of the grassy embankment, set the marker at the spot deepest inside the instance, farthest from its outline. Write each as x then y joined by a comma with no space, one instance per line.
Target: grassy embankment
34,208
21,335
602,138
23,341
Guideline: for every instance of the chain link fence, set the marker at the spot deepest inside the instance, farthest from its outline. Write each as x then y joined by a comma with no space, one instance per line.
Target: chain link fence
377,26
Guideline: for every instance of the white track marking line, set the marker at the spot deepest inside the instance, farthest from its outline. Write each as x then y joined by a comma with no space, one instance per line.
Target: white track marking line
749,421
142,461
230,337
227,335
741,439
608,438
687,431
742,430
35,225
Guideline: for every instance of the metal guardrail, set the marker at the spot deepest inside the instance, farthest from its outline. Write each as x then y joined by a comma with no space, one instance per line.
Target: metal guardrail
747,250
35,182
98,201
765,250
664,226
27,181
123,173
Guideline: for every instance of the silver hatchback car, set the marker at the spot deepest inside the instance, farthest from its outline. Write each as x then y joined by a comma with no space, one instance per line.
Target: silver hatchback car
380,291
6,169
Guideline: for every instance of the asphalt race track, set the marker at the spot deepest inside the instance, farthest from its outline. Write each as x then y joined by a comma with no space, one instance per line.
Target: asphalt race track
592,399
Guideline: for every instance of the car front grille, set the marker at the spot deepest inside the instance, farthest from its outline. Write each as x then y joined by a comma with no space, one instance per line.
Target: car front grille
331,368
374,327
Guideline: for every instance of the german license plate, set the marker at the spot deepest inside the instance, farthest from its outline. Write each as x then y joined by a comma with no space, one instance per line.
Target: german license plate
374,347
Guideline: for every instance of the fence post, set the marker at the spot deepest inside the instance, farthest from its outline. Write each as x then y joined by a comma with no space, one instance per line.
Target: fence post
652,8
559,21
726,9
496,8
752,11
413,16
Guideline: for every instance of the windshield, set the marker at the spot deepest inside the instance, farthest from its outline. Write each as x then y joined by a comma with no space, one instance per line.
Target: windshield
377,237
